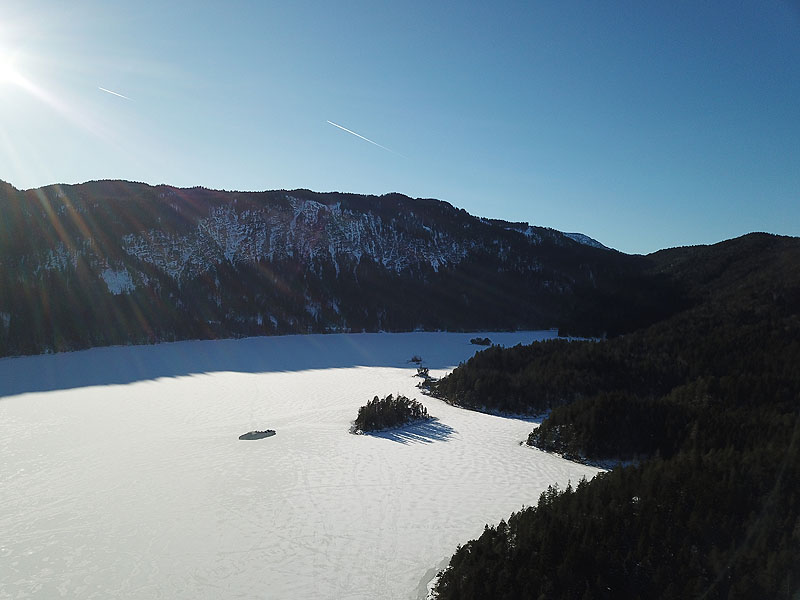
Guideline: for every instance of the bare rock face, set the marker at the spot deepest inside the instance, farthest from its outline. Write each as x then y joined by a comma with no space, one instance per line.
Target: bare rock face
257,435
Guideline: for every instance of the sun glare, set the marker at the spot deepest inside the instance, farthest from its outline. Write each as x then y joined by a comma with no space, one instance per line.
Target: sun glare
8,71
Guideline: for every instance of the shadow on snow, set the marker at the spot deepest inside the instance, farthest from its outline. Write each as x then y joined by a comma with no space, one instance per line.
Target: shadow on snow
425,432
118,365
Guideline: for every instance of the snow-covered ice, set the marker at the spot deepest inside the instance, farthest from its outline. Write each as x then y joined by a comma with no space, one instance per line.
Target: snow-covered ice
122,475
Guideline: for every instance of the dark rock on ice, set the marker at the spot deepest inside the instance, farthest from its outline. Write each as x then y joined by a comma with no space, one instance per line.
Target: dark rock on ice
257,435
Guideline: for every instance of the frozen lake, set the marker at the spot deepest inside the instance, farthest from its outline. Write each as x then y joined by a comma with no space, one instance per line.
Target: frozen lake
122,474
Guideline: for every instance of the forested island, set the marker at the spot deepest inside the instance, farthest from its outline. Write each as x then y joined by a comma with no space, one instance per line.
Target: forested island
706,402
387,413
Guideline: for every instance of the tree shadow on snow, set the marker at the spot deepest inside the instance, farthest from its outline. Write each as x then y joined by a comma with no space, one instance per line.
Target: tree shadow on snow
119,365
425,432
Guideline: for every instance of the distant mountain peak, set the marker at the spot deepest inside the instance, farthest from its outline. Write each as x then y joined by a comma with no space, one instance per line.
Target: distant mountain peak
584,239
530,231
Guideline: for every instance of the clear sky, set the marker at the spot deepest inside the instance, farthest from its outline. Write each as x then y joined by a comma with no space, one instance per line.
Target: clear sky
642,124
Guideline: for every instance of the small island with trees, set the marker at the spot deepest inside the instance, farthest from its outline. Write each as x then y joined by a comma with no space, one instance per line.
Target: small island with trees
388,413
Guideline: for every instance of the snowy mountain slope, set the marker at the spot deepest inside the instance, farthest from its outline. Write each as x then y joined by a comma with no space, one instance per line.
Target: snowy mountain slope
309,231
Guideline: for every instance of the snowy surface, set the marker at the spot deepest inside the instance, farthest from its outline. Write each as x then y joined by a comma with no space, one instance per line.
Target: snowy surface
122,474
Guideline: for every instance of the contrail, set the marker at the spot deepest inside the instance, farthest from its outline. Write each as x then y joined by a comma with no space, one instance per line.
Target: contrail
115,93
365,139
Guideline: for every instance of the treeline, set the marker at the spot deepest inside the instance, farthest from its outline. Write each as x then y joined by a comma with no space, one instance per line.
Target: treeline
707,402
709,412
643,392
537,377
724,524
388,412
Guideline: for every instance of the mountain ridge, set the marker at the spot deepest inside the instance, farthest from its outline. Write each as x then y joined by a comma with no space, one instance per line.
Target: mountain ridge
112,261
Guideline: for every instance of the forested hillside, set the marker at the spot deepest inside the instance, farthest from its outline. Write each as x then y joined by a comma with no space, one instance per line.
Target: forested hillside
116,262
707,403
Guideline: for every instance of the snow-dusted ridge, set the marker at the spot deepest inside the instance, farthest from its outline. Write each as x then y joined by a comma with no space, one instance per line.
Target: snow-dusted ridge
301,228
127,478
310,230
584,239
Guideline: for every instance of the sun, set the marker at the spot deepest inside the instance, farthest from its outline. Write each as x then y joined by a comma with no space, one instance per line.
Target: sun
8,70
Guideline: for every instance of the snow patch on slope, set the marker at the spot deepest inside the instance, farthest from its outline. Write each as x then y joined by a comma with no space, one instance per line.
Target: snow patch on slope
584,239
118,281
532,235
60,257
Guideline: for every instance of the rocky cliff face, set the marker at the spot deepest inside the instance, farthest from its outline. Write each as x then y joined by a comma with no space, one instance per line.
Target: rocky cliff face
305,230
120,262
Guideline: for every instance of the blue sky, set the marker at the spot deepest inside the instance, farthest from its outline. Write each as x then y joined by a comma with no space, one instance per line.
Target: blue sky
643,124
